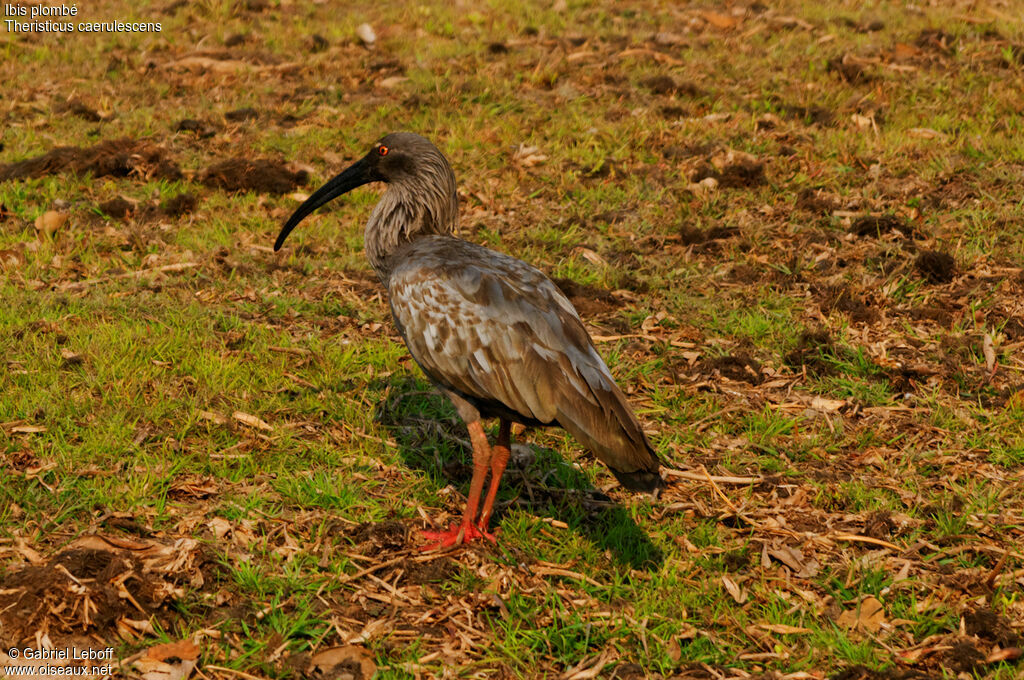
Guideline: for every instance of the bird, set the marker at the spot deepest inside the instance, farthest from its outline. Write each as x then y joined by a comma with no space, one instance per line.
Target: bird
494,333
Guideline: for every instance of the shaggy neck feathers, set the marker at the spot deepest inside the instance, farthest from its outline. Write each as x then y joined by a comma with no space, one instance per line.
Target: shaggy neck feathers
421,203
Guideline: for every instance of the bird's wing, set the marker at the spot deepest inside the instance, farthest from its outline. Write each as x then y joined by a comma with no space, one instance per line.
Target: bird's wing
493,328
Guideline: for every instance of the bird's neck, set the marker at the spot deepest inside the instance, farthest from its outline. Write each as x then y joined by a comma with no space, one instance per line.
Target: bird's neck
409,210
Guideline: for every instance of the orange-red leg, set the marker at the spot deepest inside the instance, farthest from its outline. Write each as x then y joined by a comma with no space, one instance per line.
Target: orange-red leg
500,454
466,530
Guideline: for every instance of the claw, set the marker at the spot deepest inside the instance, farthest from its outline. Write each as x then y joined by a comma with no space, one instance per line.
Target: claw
457,534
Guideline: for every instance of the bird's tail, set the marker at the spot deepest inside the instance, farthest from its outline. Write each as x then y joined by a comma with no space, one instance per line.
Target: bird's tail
611,431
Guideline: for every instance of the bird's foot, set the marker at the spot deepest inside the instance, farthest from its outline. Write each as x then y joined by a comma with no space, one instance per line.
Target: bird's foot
456,534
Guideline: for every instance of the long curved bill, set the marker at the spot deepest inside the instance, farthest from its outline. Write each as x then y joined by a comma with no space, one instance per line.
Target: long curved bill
358,174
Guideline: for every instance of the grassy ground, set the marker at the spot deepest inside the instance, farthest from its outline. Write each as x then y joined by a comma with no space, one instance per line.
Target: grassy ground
795,231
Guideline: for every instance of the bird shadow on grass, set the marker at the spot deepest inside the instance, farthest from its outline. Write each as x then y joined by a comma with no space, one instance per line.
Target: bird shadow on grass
433,439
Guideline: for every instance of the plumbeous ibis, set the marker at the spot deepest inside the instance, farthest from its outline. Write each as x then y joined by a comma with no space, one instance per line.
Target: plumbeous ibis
495,334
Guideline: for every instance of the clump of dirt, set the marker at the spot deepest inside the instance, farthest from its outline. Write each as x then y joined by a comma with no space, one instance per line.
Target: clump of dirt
690,235
940,315
201,128
434,571
937,40
876,225
374,538
816,350
180,204
665,85
606,167
861,672
588,300
936,266
810,200
115,158
964,657
246,113
261,175
988,625
742,172
77,107
850,70
78,591
739,366
628,671
879,524
841,298
813,115
118,208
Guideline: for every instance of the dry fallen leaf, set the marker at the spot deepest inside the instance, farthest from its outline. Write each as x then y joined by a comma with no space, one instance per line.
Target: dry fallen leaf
50,221
251,421
723,21
27,429
734,590
868,615
215,417
529,156
782,628
990,353
829,405
186,650
334,661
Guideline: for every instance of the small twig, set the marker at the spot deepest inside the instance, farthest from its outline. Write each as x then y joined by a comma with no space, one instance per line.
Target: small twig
718,491
867,539
697,477
370,570
177,267
232,671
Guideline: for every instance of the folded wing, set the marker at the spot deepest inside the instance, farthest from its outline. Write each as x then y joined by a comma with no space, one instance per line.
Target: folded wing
500,334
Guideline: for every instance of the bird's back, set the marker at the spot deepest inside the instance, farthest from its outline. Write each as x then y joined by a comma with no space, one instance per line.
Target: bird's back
501,335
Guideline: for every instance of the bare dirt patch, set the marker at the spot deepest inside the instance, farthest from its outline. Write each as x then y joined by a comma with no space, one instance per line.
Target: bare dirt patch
872,225
936,266
737,366
261,175
587,299
96,586
117,158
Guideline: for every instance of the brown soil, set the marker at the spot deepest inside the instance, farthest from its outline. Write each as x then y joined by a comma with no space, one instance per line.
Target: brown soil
812,201
743,173
842,298
261,175
991,627
588,300
739,366
860,672
813,350
77,107
434,571
876,226
116,158
666,85
76,592
691,235
180,205
201,128
936,266
247,113
118,208
374,538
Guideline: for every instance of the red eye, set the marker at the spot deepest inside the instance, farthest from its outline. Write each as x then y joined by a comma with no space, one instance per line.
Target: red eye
382,150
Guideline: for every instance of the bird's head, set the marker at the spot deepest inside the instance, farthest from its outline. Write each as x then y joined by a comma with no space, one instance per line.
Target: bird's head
402,160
